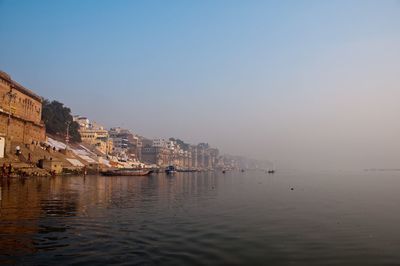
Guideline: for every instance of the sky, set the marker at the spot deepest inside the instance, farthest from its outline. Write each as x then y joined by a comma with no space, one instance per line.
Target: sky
305,84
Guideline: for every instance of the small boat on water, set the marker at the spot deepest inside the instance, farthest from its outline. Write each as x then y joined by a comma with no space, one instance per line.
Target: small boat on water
272,171
126,172
170,170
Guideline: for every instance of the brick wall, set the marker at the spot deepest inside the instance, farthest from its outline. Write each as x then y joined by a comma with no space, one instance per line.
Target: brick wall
26,112
21,105
21,131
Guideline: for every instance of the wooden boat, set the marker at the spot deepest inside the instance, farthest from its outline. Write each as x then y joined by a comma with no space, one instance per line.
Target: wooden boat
126,172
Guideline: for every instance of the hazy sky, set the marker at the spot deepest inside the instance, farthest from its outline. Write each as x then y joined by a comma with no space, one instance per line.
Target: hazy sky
302,83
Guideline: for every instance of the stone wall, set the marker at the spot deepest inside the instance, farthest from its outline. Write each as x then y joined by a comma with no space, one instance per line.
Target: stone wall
25,110
24,104
21,131
150,155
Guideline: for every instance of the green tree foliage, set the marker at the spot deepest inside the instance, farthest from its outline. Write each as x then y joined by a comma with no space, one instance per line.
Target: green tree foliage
56,118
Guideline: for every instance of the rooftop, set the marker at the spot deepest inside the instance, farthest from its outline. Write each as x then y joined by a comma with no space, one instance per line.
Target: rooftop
19,87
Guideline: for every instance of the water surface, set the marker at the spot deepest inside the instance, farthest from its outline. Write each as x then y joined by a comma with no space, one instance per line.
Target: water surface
211,218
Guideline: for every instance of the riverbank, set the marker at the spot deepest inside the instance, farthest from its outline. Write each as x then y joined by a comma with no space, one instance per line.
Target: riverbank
43,159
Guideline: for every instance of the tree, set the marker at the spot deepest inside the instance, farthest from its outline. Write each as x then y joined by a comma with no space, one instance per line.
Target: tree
56,116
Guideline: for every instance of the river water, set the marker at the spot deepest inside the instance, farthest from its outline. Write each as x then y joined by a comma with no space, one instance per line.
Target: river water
250,218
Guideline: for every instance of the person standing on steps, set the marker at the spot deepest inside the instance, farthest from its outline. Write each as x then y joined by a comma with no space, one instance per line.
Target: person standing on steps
17,150
4,170
9,170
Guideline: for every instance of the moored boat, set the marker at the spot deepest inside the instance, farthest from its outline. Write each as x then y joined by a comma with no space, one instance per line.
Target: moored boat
126,172
170,170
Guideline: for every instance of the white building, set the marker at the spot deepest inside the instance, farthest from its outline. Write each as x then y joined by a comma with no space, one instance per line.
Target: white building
172,145
160,143
84,122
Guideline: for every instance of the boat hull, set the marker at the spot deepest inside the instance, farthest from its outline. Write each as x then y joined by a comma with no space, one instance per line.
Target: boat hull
170,170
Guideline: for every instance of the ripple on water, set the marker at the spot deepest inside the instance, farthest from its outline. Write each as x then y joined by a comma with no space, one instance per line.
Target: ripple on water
199,219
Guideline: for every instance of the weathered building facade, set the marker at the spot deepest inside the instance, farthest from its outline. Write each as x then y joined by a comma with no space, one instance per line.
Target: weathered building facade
156,155
182,156
125,142
20,113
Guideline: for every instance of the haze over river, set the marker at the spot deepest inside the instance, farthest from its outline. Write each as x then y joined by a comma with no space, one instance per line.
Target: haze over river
250,218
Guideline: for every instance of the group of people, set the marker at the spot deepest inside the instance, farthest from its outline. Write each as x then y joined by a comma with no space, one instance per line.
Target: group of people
43,146
6,171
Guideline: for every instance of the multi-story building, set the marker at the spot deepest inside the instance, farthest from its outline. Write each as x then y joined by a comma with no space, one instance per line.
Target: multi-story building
104,145
193,150
126,143
156,155
83,122
180,154
94,134
91,136
20,114
165,152
159,143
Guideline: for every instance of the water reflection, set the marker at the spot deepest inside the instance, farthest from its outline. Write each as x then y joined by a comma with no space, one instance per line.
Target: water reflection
36,213
201,218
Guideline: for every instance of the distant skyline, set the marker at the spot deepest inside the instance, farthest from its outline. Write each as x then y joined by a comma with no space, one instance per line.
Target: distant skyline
301,83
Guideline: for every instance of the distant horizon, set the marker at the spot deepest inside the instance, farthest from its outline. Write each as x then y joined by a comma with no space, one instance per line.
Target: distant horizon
307,84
